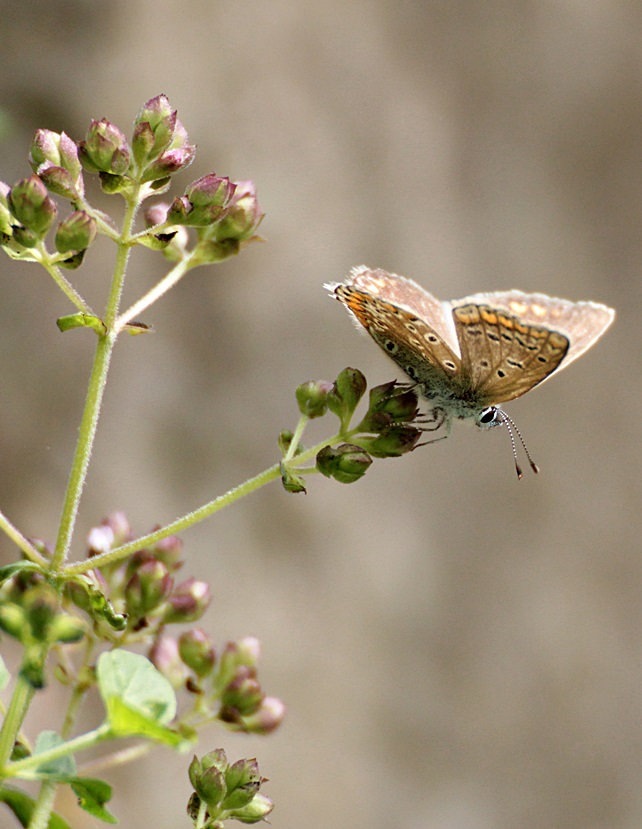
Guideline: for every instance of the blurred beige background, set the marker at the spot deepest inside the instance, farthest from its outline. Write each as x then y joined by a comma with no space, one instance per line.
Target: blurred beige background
457,650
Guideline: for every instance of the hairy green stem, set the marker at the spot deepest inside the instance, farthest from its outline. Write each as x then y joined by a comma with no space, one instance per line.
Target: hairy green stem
20,701
89,422
263,478
23,768
168,281
21,542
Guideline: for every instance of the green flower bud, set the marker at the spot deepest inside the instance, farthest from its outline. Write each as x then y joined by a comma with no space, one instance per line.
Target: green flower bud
157,118
349,388
257,809
197,652
41,605
66,629
210,251
32,207
242,696
346,463
291,481
25,237
399,405
45,147
392,442
105,149
12,619
76,232
149,586
210,786
243,782
312,397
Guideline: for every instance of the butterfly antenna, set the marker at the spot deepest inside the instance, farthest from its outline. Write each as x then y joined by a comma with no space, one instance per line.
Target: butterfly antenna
512,427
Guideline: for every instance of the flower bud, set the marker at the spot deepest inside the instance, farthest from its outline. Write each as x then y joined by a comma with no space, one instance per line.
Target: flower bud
243,216
346,463
168,163
267,718
66,629
105,149
291,481
54,157
197,652
147,588
12,619
349,388
188,602
392,442
257,809
45,147
32,207
312,398
41,605
158,119
204,202
156,214
241,697
243,782
164,656
76,232
398,403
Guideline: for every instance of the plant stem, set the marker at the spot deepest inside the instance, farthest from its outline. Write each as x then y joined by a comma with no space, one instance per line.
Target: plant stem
89,422
80,743
263,478
21,542
62,282
168,281
20,701
84,445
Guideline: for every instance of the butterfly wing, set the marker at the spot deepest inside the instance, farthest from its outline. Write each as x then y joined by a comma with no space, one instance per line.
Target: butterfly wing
406,321
582,323
502,356
537,336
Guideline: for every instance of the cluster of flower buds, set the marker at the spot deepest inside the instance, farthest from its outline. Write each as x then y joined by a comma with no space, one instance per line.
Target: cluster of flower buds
228,686
224,214
386,430
142,589
224,791
30,611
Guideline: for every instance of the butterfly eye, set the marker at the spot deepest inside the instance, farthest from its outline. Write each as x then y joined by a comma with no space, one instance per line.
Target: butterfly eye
488,416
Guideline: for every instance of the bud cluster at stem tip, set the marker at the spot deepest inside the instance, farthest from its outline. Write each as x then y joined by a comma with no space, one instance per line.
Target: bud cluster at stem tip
224,214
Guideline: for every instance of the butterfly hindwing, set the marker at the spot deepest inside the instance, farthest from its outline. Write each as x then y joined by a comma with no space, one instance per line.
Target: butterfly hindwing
502,355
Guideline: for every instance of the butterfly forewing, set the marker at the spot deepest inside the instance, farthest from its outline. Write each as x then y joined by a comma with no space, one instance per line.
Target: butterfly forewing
503,356
582,323
413,344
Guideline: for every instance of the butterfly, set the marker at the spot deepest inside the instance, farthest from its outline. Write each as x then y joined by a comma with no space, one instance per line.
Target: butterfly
468,356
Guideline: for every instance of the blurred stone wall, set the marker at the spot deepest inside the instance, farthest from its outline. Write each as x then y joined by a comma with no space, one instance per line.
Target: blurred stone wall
457,650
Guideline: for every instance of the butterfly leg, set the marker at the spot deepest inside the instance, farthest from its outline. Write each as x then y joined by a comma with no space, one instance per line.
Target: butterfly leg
435,419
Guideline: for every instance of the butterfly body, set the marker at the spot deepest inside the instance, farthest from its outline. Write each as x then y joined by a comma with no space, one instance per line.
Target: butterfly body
468,356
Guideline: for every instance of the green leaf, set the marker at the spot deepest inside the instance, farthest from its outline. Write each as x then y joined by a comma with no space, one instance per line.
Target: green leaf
17,567
127,722
81,320
138,698
61,768
92,796
22,805
133,679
